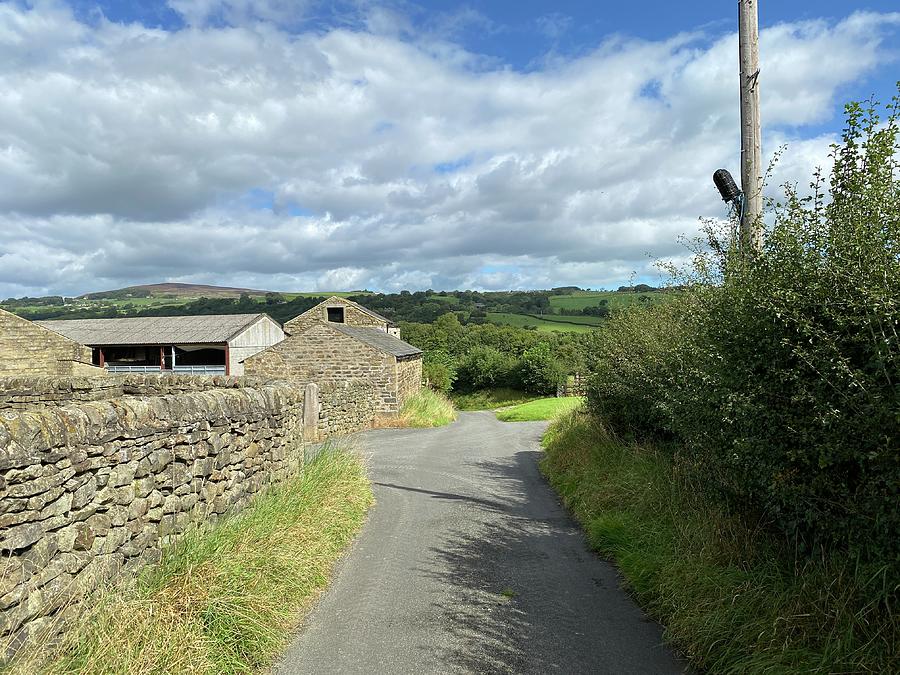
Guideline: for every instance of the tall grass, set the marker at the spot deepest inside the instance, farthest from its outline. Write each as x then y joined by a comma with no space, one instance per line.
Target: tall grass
731,596
224,599
489,399
426,408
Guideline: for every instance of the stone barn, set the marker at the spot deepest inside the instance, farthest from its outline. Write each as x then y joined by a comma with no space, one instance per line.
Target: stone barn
31,350
339,340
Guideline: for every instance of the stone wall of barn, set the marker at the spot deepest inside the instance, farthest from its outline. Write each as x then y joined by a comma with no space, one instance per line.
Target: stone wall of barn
93,489
353,316
322,354
29,349
409,377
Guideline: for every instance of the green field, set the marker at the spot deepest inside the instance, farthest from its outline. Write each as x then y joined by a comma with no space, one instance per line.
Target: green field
543,325
582,299
541,409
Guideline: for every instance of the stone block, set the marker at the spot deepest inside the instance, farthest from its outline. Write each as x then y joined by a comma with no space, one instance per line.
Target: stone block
21,536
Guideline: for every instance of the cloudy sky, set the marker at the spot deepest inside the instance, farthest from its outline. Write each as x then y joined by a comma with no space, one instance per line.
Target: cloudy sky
302,145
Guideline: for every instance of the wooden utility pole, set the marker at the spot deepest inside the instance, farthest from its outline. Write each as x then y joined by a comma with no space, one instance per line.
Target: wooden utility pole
751,161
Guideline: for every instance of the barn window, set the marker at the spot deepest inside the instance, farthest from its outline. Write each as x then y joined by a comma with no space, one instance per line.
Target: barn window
336,314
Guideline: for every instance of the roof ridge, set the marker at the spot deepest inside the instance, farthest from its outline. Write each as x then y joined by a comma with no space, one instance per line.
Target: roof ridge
160,316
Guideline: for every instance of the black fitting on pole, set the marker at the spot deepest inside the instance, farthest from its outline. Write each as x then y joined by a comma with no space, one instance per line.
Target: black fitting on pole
727,187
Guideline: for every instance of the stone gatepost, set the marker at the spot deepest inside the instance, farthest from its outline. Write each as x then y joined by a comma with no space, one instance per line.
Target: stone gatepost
311,412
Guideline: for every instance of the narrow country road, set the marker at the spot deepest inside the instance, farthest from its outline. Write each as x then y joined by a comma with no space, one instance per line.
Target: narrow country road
469,564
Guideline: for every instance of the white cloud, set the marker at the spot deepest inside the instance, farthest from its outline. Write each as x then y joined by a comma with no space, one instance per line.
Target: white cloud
128,154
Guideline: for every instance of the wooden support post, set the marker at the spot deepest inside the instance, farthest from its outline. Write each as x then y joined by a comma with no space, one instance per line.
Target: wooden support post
751,169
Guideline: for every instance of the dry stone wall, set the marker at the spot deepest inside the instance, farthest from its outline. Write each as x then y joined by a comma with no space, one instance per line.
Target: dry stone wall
25,392
160,385
345,407
90,490
22,393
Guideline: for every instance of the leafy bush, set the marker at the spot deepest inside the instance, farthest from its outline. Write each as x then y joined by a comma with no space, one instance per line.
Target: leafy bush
639,367
484,367
439,370
780,370
541,371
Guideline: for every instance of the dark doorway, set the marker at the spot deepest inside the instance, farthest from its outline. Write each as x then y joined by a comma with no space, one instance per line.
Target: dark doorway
208,356
336,314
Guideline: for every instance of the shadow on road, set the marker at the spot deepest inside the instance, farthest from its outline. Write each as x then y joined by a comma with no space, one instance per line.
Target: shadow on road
451,496
528,595
507,612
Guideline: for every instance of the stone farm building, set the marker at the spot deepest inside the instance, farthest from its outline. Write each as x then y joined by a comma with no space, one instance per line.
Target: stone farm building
205,345
27,349
339,340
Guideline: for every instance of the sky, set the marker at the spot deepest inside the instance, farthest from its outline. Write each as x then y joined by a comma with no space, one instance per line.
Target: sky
304,145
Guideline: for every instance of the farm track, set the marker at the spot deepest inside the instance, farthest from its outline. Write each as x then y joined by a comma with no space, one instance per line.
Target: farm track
469,564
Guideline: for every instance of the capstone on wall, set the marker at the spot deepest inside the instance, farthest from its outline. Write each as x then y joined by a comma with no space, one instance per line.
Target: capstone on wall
26,392
353,316
21,393
322,354
29,349
90,490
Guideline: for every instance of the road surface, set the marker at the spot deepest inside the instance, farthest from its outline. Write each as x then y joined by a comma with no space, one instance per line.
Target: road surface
469,564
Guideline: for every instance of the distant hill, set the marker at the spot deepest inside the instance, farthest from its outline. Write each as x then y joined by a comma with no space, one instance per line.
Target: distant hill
171,289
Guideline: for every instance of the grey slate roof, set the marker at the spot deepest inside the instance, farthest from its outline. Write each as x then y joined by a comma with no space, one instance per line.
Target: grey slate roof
377,338
153,330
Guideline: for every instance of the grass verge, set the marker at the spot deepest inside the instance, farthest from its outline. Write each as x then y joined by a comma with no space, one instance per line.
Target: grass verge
489,399
731,598
541,409
226,598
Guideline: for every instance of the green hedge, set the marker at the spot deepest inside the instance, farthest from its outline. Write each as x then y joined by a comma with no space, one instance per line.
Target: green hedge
779,372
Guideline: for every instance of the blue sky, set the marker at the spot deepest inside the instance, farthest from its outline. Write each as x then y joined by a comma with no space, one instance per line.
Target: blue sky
301,145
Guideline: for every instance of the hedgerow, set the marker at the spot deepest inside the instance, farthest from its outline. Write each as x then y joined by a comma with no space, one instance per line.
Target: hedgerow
778,371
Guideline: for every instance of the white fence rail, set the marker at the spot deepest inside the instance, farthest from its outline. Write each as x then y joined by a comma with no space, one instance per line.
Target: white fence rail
179,370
